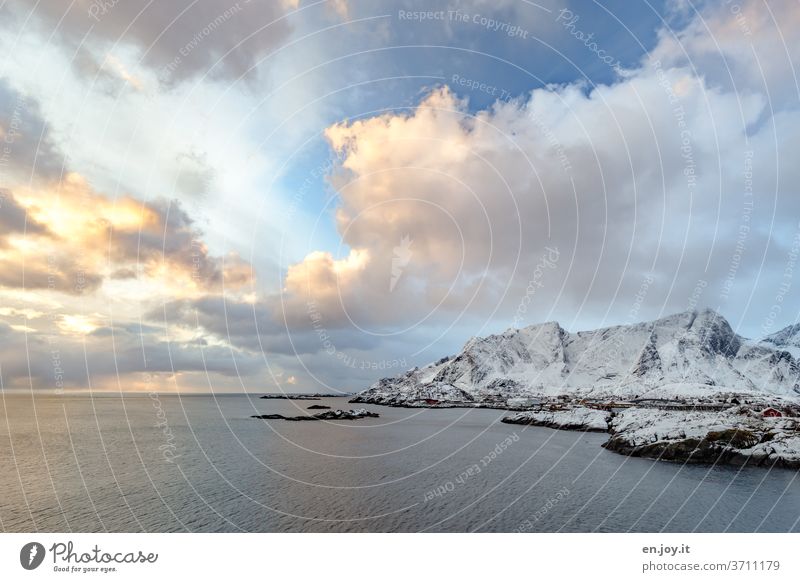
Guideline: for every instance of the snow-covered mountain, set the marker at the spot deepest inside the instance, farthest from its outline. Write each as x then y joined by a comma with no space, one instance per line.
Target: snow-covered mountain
694,354
786,339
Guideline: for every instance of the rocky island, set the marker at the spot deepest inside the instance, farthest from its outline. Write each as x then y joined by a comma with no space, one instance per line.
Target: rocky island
682,388
328,415
315,396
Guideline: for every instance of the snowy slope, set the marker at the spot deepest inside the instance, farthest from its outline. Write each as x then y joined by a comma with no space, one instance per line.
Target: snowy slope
786,339
694,354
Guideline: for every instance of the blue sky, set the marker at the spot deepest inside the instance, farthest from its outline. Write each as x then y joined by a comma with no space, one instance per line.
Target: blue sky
311,195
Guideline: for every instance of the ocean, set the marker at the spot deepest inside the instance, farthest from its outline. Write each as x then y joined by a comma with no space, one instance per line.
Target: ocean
164,463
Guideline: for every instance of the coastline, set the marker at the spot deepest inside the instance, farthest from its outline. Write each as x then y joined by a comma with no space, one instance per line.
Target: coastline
737,435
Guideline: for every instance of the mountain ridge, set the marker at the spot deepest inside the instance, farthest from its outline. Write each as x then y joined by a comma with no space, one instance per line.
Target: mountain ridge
693,354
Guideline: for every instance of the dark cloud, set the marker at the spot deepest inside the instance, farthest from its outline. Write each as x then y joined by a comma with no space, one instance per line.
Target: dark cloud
55,271
124,273
237,321
26,146
14,218
258,327
179,39
45,360
173,239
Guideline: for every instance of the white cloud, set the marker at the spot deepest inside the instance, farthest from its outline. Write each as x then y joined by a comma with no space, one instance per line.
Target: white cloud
647,177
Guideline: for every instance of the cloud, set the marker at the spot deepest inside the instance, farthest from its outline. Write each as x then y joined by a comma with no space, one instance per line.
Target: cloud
57,271
742,47
14,219
78,237
634,195
195,175
231,320
667,176
49,361
26,146
179,40
618,201
319,277
167,240
77,265
107,72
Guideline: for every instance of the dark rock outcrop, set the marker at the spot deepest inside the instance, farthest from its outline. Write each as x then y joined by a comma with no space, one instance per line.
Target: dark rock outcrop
328,415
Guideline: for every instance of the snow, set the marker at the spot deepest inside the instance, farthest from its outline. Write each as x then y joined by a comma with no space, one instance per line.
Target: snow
693,355
687,359
747,433
646,425
787,339
739,434
573,418
786,448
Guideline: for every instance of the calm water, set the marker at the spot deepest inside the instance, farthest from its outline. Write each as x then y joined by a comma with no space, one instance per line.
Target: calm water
74,463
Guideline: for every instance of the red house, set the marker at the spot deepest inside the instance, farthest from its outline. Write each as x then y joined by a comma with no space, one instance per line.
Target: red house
431,401
771,412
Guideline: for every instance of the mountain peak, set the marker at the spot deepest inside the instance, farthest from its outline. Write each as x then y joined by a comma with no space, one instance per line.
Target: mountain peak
685,355
707,313
789,336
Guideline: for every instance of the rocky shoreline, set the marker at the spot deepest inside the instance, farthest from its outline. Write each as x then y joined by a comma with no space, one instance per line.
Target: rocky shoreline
580,418
737,435
421,404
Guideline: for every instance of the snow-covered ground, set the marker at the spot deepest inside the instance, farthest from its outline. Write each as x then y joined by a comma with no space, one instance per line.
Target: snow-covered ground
736,435
578,418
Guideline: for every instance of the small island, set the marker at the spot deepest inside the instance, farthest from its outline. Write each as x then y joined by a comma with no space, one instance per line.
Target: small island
328,415
315,396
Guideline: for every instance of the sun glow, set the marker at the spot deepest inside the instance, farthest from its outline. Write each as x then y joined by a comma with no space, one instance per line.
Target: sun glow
77,324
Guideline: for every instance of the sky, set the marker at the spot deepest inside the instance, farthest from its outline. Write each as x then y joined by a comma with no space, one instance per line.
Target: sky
207,195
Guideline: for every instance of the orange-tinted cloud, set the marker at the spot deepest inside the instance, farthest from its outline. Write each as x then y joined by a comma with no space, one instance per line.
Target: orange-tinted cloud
79,237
